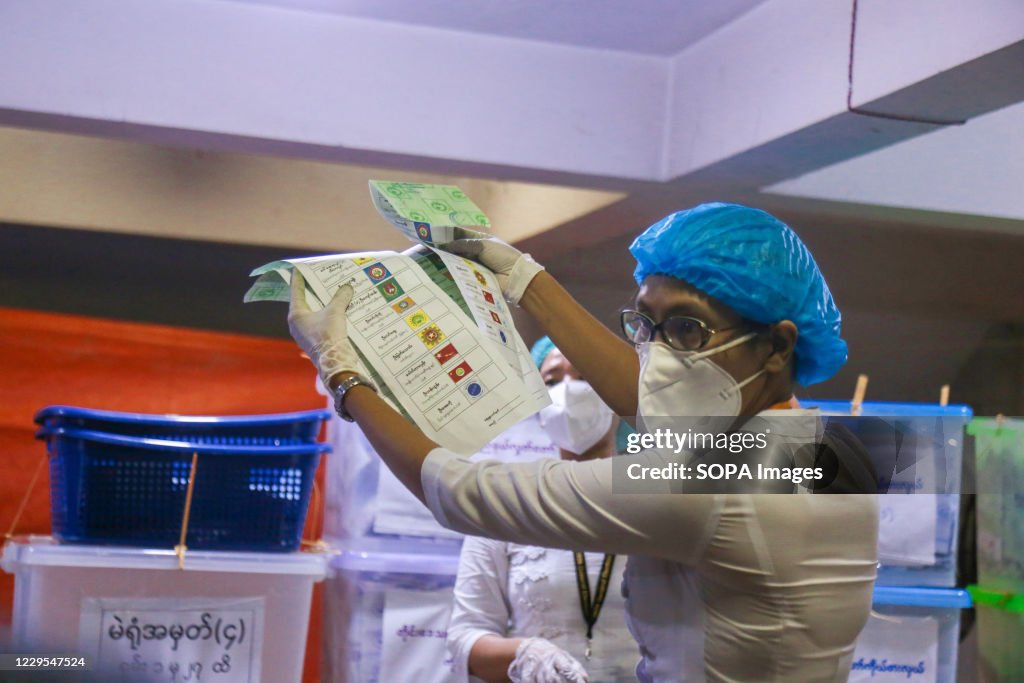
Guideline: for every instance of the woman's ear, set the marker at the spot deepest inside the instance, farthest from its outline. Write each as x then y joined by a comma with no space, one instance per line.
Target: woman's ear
783,336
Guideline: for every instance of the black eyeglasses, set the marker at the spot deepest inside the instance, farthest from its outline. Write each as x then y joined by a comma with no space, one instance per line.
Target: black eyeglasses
681,332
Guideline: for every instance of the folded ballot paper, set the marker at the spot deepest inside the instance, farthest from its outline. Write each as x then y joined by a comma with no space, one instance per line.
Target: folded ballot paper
431,328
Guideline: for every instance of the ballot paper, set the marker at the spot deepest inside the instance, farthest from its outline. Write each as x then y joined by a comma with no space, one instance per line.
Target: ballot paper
426,213
451,361
432,329
480,290
896,648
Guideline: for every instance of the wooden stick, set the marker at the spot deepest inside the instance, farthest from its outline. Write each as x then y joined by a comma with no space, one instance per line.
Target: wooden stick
944,395
24,498
179,549
858,394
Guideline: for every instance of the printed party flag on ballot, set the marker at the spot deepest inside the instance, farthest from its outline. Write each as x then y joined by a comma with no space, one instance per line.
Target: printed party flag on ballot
425,327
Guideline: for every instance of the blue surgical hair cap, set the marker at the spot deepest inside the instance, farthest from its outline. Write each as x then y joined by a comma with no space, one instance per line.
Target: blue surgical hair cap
755,264
540,350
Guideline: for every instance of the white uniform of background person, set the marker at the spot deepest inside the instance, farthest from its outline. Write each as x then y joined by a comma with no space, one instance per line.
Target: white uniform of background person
512,590
785,581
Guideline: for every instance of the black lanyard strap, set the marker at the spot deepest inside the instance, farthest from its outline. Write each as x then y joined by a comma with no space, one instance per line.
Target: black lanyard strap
592,610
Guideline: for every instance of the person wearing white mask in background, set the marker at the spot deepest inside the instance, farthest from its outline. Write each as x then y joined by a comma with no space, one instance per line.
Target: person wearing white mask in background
519,610
732,313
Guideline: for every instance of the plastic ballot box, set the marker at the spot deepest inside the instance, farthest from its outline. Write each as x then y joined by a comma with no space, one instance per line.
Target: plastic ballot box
136,615
917,452
911,635
386,617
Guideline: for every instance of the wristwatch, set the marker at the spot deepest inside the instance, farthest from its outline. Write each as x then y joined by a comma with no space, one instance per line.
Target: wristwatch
342,389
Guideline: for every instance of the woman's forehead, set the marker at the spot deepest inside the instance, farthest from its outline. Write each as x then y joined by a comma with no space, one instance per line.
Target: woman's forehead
662,294
555,360
664,290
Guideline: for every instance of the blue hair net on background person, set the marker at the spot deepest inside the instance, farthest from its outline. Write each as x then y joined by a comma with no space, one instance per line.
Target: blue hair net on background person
755,264
540,350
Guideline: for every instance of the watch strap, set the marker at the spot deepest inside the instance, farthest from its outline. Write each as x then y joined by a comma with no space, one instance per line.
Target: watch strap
341,391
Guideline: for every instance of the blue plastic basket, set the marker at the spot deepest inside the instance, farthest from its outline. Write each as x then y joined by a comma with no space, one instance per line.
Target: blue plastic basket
129,490
277,429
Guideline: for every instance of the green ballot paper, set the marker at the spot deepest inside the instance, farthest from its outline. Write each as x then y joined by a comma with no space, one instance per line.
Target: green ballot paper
426,213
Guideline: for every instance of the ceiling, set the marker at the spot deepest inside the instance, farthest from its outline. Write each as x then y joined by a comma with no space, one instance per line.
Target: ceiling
651,27
976,168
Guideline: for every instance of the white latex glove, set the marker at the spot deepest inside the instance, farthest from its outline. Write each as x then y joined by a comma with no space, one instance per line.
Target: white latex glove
322,334
514,269
541,661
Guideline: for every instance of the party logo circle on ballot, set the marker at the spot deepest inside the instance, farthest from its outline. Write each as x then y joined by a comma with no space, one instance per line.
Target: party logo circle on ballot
431,336
403,306
390,290
377,272
460,371
417,320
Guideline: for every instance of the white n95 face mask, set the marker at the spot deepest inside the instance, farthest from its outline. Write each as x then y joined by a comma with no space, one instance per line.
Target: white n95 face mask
686,383
577,417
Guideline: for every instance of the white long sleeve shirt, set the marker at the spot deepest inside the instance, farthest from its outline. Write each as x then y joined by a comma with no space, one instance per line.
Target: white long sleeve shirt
784,581
512,590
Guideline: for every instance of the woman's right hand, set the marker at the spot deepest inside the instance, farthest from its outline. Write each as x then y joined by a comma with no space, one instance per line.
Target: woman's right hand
514,269
541,661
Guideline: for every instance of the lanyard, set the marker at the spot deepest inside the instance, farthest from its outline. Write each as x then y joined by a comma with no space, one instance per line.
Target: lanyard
592,609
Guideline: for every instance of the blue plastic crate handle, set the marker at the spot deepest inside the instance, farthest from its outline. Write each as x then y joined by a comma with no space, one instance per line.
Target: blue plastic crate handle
184,447
922,597
75,412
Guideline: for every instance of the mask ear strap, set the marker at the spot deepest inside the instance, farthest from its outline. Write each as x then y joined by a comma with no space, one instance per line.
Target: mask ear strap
724,347
739,385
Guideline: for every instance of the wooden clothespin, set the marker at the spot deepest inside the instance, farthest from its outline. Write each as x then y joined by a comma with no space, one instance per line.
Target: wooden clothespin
858,395
944,395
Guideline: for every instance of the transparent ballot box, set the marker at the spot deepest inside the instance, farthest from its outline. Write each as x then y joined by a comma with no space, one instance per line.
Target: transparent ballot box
917,451
912,634
386,618
139,617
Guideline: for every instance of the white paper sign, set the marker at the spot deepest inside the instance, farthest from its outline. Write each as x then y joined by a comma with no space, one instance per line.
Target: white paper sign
174,639
896,649
415,632
906,532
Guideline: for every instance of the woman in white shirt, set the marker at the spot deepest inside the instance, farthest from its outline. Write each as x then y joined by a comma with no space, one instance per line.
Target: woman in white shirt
513,598
732,313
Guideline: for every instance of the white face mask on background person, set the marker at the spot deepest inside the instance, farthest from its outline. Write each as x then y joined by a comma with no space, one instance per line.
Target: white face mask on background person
577,417
686,383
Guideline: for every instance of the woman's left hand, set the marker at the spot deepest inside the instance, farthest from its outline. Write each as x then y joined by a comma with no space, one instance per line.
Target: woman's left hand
322,334
541,661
